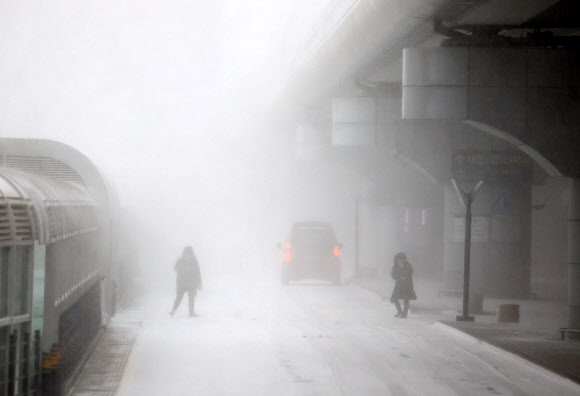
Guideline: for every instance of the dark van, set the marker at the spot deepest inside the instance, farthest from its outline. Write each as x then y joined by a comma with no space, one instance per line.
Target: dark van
311,252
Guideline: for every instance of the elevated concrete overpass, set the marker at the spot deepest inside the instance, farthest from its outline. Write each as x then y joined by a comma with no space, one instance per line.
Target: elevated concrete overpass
481,89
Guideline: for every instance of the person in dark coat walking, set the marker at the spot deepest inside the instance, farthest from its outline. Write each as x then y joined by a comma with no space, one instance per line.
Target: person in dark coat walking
188,279
402,273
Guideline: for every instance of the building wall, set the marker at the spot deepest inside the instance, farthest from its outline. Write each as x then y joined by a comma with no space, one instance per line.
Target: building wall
550,239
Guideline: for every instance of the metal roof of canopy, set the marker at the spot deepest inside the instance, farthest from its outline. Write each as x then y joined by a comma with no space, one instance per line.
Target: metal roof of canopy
48,167
57,160
36,208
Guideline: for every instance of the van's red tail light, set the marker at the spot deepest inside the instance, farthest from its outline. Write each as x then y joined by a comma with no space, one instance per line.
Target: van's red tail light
287,254
336,251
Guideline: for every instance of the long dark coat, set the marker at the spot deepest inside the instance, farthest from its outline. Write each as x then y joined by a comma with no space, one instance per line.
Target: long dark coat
188,274
403,277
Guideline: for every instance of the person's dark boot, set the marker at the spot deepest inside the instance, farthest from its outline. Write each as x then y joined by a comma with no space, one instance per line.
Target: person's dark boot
405,309
399,310
191,306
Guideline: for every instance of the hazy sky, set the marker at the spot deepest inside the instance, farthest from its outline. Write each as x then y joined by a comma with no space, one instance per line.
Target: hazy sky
162,96
148,81
93,74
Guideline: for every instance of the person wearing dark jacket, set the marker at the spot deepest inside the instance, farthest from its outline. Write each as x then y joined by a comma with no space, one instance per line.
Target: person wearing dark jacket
188,279
402,273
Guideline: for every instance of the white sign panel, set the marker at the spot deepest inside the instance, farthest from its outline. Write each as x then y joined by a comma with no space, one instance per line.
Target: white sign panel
353,110
479,229
353,121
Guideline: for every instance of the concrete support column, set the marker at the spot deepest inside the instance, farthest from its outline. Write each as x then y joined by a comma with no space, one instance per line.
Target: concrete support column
574,254
378,238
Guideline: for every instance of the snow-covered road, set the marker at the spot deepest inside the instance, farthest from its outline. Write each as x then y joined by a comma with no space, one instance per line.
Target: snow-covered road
314,339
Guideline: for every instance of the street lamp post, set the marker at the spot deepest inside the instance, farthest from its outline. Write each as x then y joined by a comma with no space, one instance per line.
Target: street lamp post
466,199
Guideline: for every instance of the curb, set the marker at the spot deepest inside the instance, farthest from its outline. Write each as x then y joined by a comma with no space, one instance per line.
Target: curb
504,353
69,383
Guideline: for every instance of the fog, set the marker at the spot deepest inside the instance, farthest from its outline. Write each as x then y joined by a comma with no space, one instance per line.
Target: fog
176,105
169,101
220,124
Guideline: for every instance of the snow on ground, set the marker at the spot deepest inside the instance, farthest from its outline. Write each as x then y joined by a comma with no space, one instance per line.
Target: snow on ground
311,338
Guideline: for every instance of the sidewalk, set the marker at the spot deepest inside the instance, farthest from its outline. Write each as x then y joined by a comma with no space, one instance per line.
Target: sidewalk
102,373
535,339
